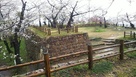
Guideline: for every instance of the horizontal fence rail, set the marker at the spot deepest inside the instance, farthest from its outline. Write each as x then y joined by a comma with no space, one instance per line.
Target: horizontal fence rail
47,70
67,55
126,43
112,46
21,65
131,34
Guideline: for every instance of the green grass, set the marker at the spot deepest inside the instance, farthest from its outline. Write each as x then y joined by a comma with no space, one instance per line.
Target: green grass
92,29
5,59
102,67
8,60
38,32
23,52
86,28
132,54
99,29
127,38
133,72
70,72
82,70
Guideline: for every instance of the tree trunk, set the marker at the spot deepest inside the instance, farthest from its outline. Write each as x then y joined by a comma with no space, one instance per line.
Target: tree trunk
62,24
44,23
69,24
132,25
7,46
40,22
116,24
17,49
54,23
123,24
69,21
100,24
105,25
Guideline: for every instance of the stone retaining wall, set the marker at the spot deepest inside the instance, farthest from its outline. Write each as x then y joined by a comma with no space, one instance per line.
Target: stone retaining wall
59,45
67,44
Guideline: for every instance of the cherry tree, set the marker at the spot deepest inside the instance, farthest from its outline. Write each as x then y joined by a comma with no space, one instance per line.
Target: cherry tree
12,26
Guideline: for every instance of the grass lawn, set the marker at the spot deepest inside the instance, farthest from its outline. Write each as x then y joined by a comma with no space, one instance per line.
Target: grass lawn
111,67
104,33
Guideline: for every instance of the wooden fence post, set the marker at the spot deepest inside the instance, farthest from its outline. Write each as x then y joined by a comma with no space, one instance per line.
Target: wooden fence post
73,29
131,34
44,29
121,49
124,34
47,64
134,35
58,30
76,29
90,56
67,30
49,31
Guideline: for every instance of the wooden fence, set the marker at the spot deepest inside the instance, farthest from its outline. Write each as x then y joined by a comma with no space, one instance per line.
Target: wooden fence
47,68
49,32
131,34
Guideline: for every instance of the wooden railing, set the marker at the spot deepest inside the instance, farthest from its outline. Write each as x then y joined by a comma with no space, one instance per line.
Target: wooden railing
131,34
47,68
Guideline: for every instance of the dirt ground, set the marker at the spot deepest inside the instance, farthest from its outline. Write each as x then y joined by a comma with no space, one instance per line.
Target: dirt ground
110,32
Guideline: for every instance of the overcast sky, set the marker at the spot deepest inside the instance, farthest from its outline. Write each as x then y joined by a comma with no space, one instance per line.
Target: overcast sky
118,6
121,6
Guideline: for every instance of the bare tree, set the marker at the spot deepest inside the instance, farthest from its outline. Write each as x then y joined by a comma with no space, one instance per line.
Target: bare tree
38,7
74,13
16,42
55,11
104,12
6,8
62,18
131,24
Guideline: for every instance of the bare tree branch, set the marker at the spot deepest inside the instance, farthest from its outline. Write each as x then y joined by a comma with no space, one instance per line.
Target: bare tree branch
60,10
81,13
51,4
55,11
106,11
22,14
110,4
1,30
6,4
